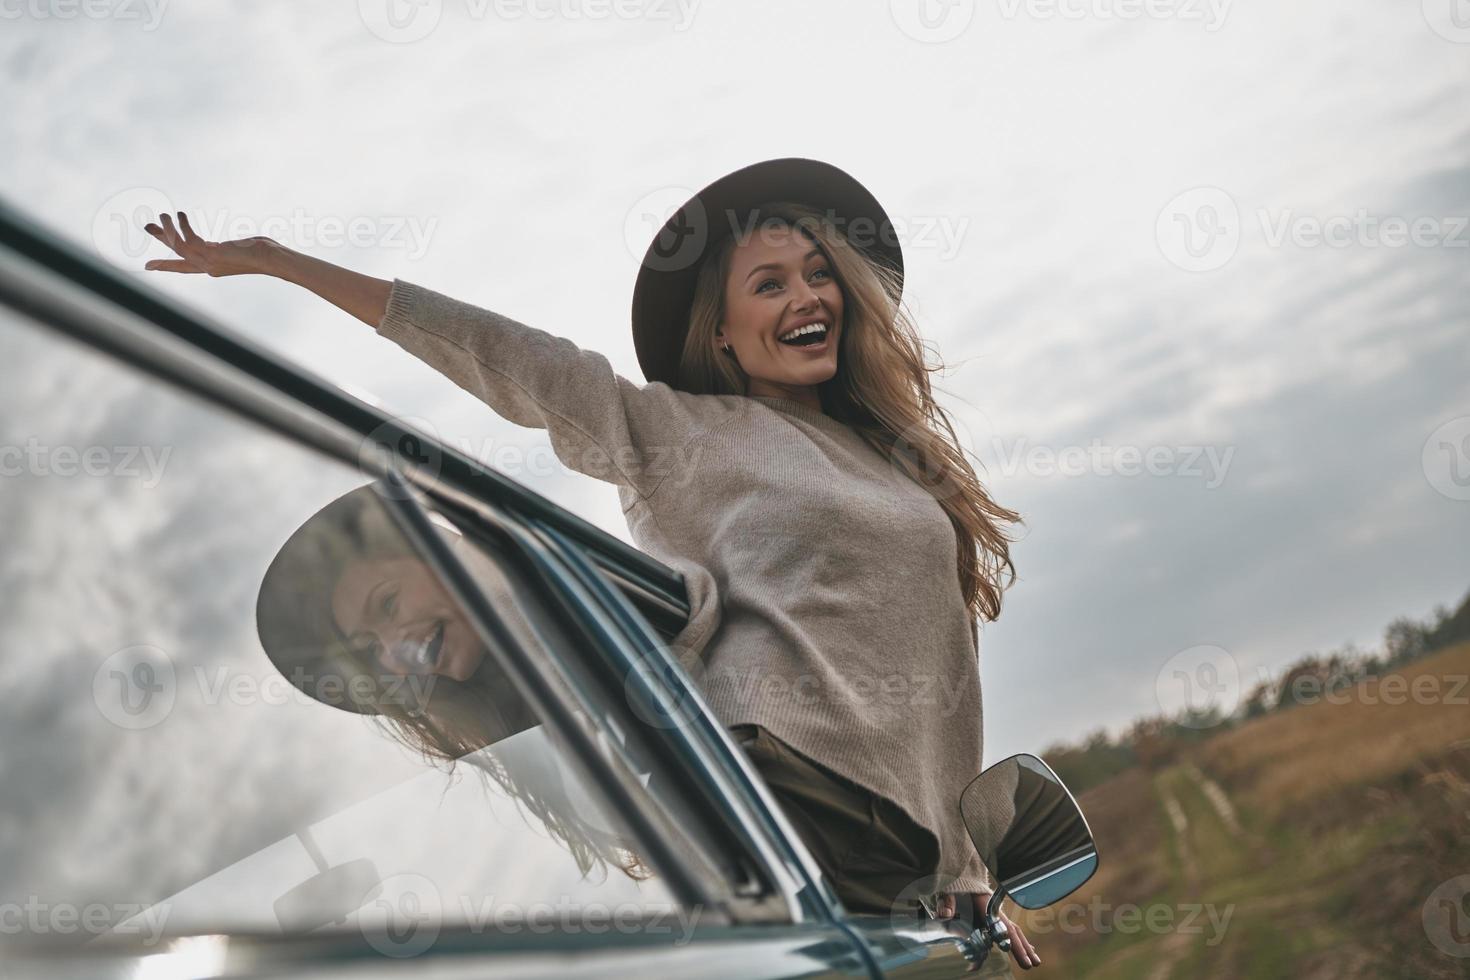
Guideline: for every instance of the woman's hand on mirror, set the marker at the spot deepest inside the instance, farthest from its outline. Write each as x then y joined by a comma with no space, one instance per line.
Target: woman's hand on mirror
1021,949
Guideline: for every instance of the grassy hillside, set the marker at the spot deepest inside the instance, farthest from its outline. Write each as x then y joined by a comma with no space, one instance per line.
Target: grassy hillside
1304,843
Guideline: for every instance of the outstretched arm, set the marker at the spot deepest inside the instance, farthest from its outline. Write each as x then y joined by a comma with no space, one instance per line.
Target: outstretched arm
600,423
363,296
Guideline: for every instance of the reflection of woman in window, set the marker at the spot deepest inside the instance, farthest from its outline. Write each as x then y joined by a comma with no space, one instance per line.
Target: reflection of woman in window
787,456
352,616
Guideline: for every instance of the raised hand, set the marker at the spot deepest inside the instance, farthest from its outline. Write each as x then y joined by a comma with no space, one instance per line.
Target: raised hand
363,296
197,255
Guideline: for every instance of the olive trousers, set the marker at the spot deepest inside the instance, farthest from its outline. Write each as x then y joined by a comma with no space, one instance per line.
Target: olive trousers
867,846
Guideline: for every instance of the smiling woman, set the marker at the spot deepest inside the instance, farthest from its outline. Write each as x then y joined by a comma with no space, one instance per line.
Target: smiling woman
833,536
784,308
393,611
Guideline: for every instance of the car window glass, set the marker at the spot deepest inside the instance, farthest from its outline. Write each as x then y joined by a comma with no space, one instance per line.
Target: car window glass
161,775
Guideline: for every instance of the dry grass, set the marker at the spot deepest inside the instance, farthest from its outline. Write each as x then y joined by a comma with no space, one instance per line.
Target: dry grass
1352,813
1125,820
1319,750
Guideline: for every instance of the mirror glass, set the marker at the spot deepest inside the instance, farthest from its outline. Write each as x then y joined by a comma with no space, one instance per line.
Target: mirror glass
1029,831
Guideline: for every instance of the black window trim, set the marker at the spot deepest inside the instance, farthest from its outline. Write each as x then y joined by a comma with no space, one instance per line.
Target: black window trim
534,681
729,798
711,752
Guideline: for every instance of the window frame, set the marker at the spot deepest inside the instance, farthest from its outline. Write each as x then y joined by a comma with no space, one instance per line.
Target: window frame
542,678
722,768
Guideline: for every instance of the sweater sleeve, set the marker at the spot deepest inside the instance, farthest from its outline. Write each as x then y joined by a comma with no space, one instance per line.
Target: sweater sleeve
599,423
974,878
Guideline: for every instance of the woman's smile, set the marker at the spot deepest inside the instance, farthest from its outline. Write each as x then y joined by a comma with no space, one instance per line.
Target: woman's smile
396,609
801,340
426,650
783,308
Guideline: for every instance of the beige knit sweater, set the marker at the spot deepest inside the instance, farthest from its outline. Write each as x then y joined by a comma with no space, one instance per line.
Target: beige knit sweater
824,599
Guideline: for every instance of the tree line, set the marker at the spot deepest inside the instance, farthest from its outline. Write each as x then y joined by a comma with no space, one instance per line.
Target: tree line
1160,739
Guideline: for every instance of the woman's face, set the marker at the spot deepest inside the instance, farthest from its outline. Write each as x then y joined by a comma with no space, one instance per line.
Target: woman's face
779,280
395,610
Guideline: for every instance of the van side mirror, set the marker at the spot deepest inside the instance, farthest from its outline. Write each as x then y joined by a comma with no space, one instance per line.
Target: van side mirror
1029,831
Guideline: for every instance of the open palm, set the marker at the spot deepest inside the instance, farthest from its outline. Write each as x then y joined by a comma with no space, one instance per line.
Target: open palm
198,255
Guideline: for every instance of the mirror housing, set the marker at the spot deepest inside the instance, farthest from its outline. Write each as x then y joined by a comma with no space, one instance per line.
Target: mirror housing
1029,831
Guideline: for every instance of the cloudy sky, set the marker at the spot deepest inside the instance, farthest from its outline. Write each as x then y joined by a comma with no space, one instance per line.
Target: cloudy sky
1198,267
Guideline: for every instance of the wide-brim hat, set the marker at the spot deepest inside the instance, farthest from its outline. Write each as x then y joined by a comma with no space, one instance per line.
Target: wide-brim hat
293,614
664,291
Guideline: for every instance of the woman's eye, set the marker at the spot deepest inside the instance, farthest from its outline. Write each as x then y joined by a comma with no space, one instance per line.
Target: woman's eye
388,603
822,272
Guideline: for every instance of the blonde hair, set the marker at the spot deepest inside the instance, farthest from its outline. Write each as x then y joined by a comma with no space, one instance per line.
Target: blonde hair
465,716
881,389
